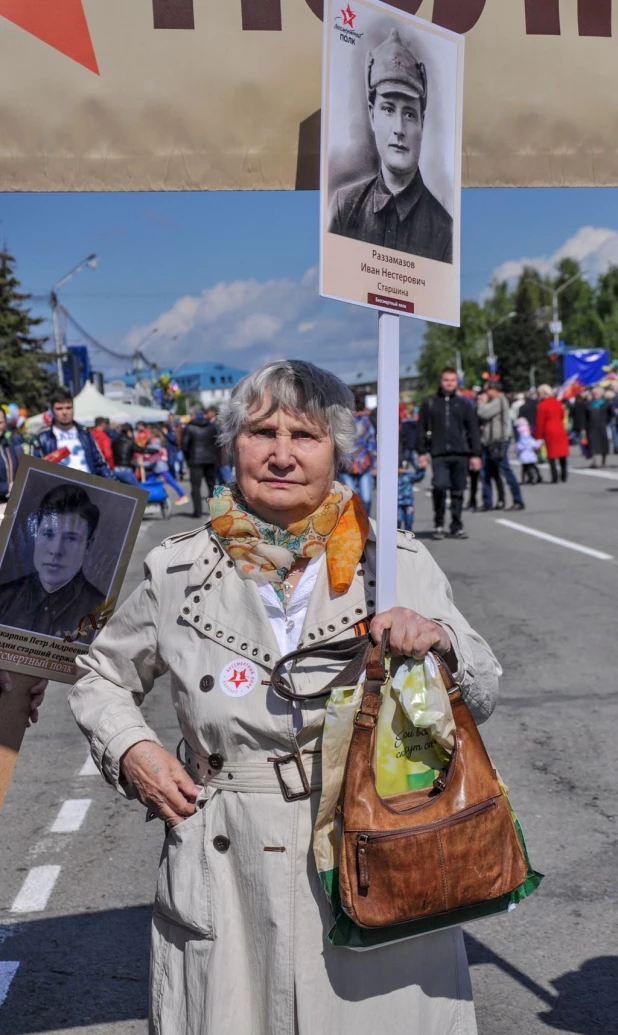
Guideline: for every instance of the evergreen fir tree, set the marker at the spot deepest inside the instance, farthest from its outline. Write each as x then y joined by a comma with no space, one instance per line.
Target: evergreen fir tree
24,378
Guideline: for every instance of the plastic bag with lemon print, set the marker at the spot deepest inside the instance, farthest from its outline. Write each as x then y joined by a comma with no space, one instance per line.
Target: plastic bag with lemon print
415,737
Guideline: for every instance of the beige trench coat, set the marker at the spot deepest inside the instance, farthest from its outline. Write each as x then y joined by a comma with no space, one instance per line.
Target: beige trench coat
239,923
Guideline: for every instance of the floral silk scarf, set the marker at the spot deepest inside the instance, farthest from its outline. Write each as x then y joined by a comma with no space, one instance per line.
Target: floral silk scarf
265,553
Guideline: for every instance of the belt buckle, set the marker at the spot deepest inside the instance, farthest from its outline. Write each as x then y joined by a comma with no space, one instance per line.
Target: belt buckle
287,794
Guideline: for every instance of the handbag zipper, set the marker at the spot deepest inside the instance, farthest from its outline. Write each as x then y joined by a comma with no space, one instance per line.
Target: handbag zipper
363,840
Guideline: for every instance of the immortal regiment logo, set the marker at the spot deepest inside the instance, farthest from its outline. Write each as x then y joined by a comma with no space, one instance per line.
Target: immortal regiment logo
238,678
345,26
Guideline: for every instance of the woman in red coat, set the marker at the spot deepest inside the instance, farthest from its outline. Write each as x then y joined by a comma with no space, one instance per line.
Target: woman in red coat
550,427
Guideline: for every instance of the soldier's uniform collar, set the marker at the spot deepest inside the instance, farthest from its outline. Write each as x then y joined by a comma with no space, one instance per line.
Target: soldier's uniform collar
404,201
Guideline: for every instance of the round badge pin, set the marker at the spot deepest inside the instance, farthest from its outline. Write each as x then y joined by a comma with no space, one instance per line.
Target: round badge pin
238,678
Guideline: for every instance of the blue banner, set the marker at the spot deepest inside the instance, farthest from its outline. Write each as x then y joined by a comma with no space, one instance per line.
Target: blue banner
586,364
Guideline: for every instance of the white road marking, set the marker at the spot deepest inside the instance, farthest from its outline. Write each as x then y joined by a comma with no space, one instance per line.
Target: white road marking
89,768
611,475
8,970
71,816
34,893
555,539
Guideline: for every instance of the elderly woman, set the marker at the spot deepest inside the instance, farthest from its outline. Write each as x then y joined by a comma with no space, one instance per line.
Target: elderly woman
287,559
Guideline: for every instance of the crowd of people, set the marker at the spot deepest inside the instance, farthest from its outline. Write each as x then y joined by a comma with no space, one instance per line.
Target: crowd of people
465,435
468,436
124,453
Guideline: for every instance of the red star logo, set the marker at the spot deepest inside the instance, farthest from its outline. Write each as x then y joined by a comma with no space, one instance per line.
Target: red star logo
239,677
348,16
59,23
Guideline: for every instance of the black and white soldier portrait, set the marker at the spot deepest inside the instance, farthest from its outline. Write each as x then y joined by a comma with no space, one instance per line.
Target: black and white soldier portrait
66,545
394,207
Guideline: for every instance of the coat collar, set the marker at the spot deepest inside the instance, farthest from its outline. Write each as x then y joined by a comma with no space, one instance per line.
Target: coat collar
229,610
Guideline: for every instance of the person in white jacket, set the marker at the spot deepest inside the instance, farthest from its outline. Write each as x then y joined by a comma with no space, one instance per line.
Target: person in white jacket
286,560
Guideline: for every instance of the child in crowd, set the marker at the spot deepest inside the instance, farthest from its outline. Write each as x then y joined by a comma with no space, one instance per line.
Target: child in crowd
527,447
159,456
408,475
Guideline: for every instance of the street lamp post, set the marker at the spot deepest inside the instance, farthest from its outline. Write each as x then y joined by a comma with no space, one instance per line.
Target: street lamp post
556,322
139,360
491,355
57,312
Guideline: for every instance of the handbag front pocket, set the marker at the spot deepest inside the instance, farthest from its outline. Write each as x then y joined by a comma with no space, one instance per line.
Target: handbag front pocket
401,875
184,894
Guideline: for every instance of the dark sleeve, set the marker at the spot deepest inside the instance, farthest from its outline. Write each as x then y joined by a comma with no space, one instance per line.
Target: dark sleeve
447,255
186,440
471,424
424,428
37,450
335,224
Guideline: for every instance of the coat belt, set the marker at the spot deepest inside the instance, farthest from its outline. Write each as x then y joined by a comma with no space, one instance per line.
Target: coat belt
295,775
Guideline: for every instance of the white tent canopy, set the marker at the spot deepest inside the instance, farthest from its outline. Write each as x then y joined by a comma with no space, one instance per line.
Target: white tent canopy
90,404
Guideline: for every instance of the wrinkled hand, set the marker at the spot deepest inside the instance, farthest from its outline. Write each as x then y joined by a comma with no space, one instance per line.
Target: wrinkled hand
409,633
475,463
421,460
159,781
36,691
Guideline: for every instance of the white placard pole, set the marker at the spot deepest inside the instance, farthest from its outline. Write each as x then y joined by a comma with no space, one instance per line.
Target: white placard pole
388,460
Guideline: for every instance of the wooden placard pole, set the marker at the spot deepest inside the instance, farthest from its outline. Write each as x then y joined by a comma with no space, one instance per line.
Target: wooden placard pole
388,460
14,712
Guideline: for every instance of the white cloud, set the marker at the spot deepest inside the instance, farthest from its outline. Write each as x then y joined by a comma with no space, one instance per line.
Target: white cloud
595,248
254,329
248,322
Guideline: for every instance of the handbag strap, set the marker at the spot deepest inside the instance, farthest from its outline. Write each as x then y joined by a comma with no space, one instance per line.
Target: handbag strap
361,656
353,651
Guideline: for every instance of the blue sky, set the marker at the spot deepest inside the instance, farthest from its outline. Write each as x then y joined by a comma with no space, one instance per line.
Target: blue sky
232,276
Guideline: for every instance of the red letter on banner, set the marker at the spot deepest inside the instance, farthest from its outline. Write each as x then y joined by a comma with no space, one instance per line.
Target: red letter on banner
542,17
594,17
261,15
173,14
457,15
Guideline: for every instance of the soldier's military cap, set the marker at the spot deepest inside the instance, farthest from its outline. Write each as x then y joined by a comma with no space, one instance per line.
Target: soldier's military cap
393,68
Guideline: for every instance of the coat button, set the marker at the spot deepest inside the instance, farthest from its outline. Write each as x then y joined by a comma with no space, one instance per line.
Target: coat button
221,843
215,761
207,683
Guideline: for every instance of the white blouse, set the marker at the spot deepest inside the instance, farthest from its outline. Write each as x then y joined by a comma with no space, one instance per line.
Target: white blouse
287,625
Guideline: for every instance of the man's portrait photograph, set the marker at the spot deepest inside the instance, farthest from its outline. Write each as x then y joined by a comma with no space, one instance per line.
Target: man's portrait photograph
61,557
391,141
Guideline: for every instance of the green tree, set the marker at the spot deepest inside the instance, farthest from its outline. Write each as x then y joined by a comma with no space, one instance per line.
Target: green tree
24,378
607,308
441,344
523,342
582,322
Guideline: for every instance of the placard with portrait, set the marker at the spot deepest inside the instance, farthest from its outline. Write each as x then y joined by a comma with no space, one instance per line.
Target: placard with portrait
391,161
65,543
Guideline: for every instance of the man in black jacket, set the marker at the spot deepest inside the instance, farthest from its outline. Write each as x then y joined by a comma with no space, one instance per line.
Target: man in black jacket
449,431
200,450
124,451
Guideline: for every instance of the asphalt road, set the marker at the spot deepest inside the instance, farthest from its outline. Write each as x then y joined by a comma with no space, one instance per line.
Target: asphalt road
78,962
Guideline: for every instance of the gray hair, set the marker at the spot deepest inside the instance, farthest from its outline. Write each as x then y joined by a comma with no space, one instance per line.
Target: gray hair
299,388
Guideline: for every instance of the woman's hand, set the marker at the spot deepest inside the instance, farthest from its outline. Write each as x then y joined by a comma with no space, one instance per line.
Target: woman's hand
36,691
409,633
159,781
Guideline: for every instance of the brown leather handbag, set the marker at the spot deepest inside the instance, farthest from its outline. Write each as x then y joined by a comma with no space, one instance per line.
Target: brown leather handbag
416,856
422,853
